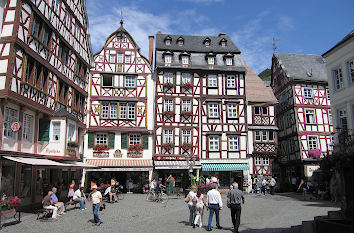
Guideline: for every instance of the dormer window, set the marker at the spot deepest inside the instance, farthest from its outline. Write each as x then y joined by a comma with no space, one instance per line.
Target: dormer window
168,59
207,42
223,42
180,41
211,60
185,59
229,59
168,40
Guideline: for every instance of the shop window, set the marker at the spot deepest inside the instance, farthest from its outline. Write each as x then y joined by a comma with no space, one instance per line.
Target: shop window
25,184
8,177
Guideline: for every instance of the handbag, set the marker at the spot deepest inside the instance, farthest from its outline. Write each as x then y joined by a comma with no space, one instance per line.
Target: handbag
187,199
102,207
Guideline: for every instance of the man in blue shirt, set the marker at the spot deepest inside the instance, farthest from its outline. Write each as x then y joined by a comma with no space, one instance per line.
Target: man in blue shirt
56,202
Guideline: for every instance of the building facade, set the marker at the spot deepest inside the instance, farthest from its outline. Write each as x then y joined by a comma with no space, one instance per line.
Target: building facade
200,108
340,70
262,127
44,60
120,110
299,82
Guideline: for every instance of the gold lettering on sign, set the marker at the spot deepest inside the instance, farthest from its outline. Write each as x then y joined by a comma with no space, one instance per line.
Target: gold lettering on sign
52,151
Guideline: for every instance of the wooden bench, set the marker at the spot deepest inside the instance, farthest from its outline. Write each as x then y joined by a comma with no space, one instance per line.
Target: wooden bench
44,213
67,204
9,215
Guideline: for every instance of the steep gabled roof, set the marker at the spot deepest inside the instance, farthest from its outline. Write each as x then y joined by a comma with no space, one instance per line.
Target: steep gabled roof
256,89
303,67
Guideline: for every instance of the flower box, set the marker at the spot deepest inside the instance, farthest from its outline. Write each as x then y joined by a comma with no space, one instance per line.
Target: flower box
168,146
186,85
168,85
72,144
100,154
168,113
186,114
134,154
136,148
186,146
9,202
100,147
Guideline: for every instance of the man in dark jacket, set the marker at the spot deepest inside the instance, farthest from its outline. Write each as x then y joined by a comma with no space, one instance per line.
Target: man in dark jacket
234,198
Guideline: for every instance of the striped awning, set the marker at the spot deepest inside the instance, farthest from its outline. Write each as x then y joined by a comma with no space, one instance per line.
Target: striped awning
120,162
176,164
224,166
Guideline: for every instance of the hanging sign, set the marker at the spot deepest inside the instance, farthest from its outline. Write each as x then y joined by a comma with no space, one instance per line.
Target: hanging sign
15,126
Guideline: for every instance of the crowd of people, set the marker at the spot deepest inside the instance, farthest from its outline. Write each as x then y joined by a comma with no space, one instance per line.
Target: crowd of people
261,184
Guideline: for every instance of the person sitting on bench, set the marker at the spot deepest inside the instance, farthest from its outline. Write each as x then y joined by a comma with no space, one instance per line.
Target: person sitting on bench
48,204
79,196
56,202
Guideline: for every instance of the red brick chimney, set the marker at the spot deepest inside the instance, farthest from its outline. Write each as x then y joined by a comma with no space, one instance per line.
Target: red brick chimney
151,48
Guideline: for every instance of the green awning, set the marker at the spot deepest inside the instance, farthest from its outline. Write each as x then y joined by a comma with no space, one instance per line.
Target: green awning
224,166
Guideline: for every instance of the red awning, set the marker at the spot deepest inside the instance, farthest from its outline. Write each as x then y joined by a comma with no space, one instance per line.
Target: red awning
120,162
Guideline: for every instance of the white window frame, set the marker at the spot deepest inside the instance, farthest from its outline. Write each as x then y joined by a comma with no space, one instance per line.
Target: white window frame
130,81
113,111
168,77
112,58
312,142
168,136
127,59
186,105
350,66
168,59
185,59
212,80
264,136
27,129
258,161
101,139
56,5
213,143
232,110
213,110
10,116
330,116
265,161
105,110
233,143
257,136
56,128
122,111
71,132
308,93
120,58
168,42
134,138
338,79
131,111
67,19
186,78
168,105
342,114
187,136
211,60
229,61
231,81
308,113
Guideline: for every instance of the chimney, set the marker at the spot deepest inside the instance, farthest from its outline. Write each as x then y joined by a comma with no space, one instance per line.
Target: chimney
222,34
159,32
151,48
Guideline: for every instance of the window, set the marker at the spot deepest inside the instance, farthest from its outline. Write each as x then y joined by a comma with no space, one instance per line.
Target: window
56,131
343,120
310,116
168,106
186,106
270,136
186,136
10,117
231,81
257,136
229,61
232,110
56,4
312,140
127,59
168,78
167,42
64,53
223,43
27,129
107,80
113,112
212,81
257,110
131,111
105,110
213,110
264,110
180,41
112,58
77,31
67,19
185,60
130,81
233,143
308,93
351,70
264,136
213,143
186,78
338,79
211,60
265,161
36,27
101,138
134,139
120,58
330,117
328,94
168,136
258,161
122,111
71,132
168,59
45,35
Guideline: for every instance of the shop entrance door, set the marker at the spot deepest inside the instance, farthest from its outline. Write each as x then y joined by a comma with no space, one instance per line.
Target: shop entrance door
238,178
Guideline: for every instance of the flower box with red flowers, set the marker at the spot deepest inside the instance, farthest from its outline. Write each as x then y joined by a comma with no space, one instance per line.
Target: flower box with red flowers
168,113
135,150
168,85
9,202
315,153
100,147
186,85
168,146
186,114
186,146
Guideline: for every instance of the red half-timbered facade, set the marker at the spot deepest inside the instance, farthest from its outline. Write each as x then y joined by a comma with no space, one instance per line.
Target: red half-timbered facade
303,114
120,108
44,59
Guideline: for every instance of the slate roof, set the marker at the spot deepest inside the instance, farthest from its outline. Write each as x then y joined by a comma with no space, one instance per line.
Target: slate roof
195,44
347,37
62,112
303,67
256,89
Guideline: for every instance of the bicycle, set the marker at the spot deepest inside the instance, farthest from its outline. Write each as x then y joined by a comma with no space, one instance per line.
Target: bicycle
160,197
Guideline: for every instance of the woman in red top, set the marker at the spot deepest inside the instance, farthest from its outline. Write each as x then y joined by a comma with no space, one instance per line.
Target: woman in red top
71,190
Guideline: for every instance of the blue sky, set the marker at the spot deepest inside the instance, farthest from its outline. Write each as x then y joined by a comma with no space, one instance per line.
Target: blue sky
309,27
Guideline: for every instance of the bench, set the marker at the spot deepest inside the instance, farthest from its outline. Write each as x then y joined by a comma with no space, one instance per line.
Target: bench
44,213
67,204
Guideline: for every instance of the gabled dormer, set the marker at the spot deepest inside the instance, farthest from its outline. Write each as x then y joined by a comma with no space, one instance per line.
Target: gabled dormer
223,42
168,40
180,41
207,42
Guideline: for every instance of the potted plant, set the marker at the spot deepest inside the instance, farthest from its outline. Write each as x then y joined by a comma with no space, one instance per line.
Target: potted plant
100,147
9,204
72,144
168,146
137,148
186,146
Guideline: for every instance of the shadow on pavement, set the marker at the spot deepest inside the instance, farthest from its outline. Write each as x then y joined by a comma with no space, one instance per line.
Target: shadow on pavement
265,230
184,222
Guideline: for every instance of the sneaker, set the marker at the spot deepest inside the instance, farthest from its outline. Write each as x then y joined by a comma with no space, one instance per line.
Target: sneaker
209,229
63,213
85,208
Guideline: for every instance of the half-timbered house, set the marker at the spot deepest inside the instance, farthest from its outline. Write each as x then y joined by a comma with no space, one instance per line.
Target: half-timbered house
120,109
44,59
200,108
299,82
261,119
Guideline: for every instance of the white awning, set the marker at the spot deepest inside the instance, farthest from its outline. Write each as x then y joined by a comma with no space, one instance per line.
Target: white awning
177,164
36,162
80,164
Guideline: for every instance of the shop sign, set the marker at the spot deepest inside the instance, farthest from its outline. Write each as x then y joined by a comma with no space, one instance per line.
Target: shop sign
15,126
309,169
174,158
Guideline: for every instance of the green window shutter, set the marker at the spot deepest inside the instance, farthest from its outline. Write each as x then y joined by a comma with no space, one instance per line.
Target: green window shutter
43,132
91,139
145,141
111,140
124,137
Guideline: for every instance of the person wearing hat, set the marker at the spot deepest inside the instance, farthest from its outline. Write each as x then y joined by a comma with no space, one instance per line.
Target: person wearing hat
79,196
96,198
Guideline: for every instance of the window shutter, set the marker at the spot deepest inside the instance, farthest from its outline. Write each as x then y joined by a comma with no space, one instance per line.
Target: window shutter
145,141
124,137
111,140
43,134
91,140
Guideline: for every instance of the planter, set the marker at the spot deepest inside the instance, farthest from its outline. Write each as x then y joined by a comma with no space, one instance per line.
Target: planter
100,154
8,213
9,217
134,154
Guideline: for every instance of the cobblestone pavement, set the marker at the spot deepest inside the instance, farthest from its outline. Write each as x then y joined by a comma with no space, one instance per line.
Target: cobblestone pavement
260,214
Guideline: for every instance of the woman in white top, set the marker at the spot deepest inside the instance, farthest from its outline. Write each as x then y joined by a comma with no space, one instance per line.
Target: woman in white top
191,200
200,208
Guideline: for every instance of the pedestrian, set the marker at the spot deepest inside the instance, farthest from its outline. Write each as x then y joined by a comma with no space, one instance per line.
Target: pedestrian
79,196
294,182
56,202
153,185
49,205
200,208
192,201
71,190
254,184
215,205
234,198
96,199
303,187
272,184
264,185
333,188
171,184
